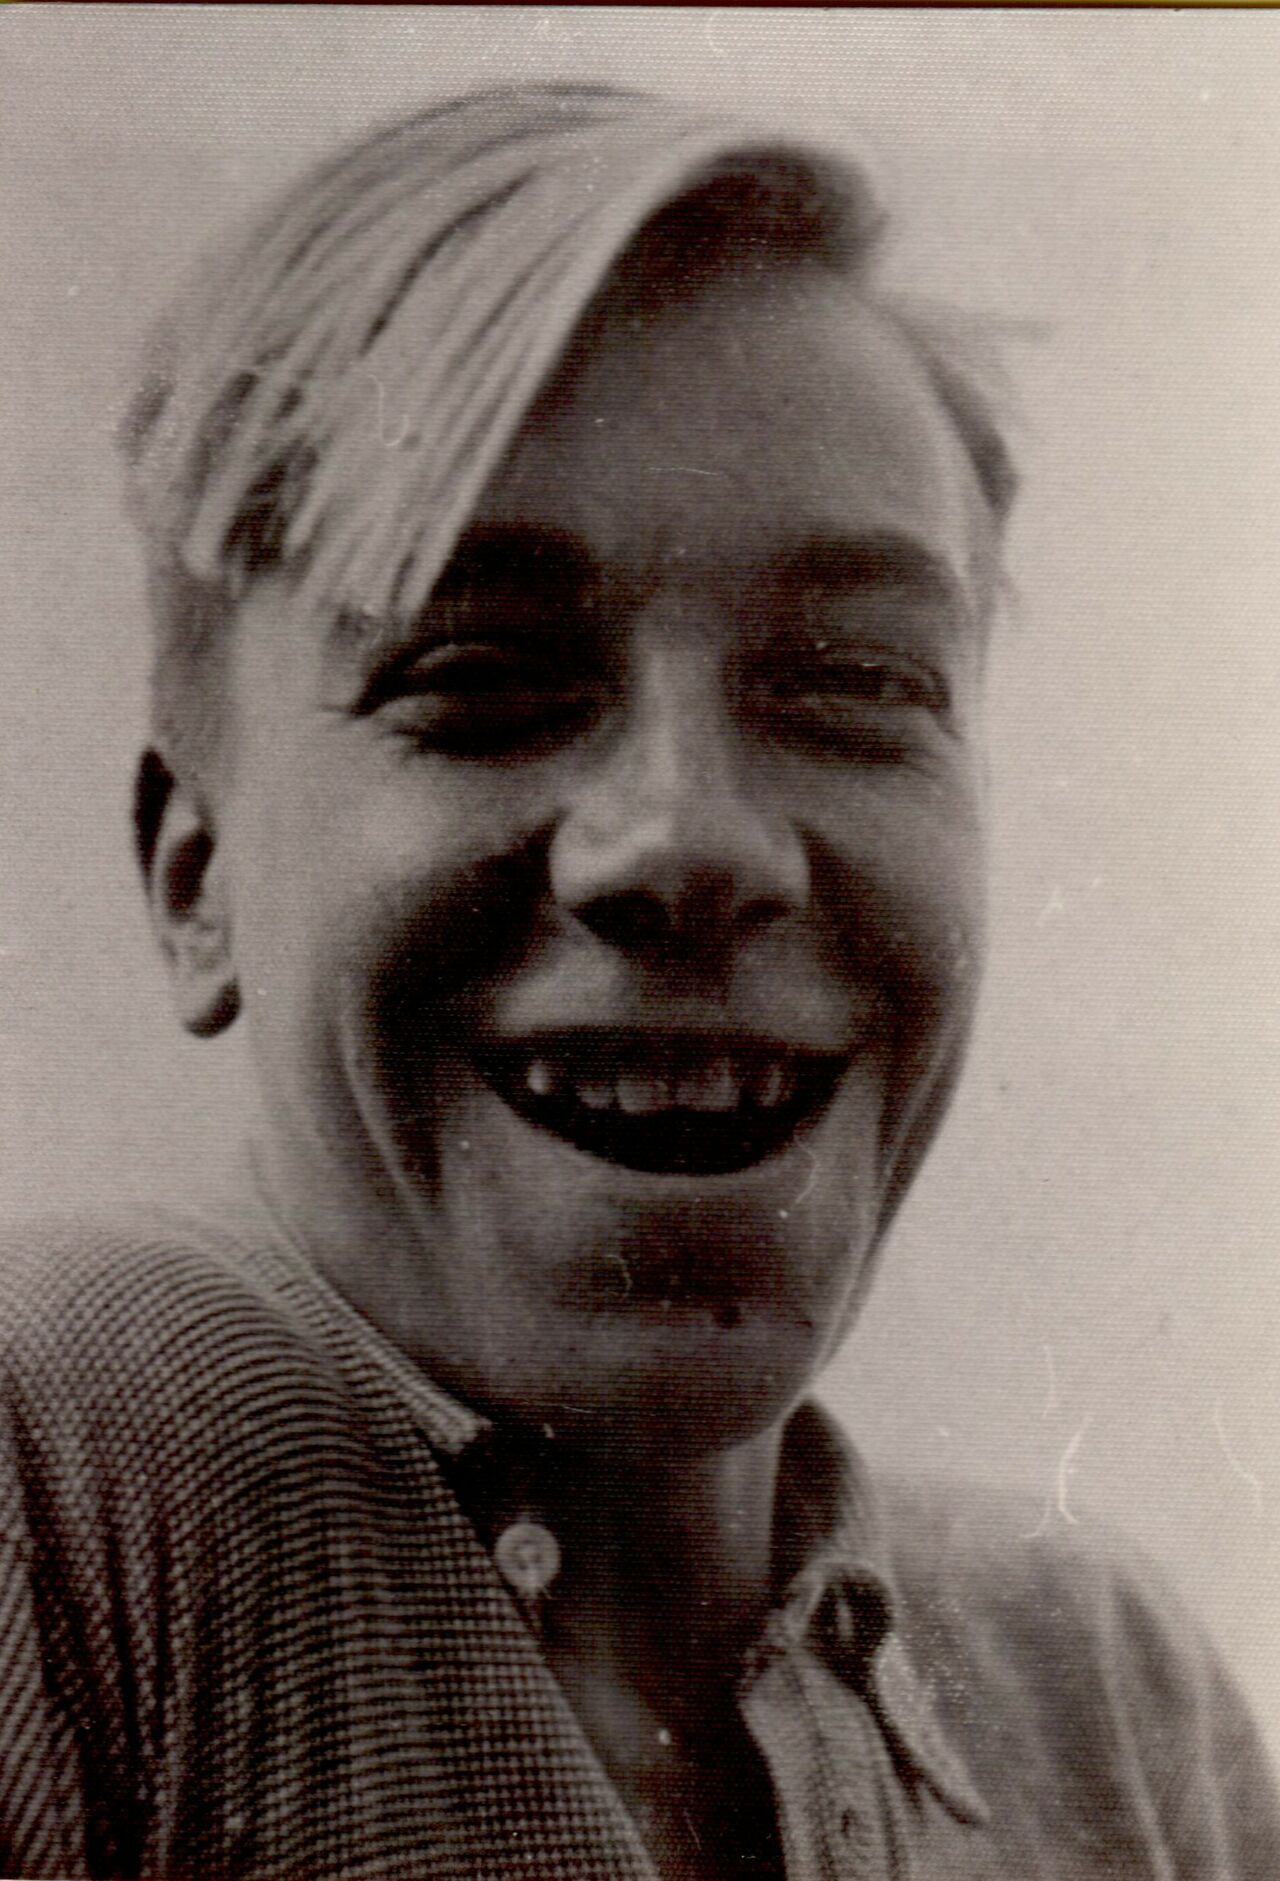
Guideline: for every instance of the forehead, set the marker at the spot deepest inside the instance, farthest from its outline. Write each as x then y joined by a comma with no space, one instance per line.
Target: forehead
741,432
736,423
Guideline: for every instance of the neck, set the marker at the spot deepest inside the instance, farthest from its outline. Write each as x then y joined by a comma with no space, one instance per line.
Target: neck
666,1564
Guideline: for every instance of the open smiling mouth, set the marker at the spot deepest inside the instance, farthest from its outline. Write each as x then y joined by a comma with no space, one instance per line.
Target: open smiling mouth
672,1106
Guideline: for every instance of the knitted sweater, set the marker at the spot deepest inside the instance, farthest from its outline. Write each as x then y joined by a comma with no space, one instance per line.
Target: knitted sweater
249,1631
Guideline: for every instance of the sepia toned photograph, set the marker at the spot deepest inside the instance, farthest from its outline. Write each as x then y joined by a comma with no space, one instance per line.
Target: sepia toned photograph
640,943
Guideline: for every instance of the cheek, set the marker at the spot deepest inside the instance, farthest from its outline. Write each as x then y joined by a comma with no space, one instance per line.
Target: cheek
438,899
904,880
937,920
901,874
399,866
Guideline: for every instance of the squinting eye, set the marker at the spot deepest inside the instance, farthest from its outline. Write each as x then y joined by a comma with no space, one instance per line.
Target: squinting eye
880,682
887,682
479,699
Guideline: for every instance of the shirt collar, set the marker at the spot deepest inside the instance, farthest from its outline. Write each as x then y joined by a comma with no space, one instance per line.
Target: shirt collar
839,1602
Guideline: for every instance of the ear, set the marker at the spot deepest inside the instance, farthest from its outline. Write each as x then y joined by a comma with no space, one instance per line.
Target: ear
186,896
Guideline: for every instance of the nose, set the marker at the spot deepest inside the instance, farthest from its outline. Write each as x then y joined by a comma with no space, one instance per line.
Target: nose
664,844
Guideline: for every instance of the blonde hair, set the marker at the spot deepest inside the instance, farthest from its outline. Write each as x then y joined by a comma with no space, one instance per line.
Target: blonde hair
332,394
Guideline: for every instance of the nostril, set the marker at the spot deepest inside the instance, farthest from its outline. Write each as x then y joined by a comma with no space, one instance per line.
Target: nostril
753,916
631,920
700,873
704,916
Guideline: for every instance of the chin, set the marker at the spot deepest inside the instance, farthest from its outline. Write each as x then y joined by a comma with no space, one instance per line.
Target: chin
625,1305
685,1383
685,1315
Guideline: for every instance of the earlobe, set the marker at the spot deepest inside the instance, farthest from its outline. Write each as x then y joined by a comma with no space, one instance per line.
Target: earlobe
186,897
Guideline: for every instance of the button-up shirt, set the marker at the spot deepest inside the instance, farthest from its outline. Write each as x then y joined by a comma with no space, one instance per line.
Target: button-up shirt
248,1629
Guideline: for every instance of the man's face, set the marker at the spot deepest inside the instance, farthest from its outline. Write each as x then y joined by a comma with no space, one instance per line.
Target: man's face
609,934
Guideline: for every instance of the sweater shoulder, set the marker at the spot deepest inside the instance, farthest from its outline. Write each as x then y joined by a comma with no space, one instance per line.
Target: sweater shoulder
150,1317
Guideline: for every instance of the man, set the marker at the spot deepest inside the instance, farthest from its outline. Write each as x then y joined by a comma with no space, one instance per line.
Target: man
572,578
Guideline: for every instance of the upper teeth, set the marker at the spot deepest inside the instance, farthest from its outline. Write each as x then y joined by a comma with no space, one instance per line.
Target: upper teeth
718,1084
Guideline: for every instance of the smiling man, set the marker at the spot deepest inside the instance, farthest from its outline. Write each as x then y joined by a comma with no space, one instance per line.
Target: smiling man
572,578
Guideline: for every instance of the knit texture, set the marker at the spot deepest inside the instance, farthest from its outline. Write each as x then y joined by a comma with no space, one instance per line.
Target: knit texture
247,1630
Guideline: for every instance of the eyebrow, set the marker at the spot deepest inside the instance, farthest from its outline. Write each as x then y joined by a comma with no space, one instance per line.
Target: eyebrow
515,558
515,555
881,559
520,555
537,562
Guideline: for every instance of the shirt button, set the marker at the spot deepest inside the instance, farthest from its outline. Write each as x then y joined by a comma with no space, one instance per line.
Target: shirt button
527,1557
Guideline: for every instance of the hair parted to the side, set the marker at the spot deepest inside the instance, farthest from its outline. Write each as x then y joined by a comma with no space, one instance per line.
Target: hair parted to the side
329,399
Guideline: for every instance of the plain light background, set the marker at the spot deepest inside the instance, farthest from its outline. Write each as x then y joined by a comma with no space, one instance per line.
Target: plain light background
1082,1296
